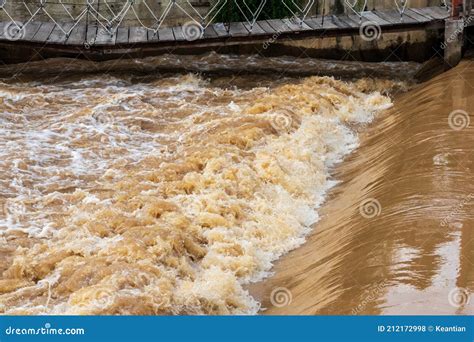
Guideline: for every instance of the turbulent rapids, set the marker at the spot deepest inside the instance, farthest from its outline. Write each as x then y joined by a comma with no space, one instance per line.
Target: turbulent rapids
163,195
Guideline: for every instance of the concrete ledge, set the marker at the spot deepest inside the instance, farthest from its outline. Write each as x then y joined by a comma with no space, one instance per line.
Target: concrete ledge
453,42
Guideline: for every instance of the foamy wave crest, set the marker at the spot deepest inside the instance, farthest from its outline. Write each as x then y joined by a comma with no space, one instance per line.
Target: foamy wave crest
187,194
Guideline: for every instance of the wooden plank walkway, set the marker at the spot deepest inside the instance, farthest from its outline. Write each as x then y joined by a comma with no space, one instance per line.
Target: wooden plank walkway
93,35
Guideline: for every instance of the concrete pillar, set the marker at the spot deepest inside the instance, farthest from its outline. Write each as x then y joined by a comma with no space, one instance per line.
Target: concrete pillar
453,42
467,7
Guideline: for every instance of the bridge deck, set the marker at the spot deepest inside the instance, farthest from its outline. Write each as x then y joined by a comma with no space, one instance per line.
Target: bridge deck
93,36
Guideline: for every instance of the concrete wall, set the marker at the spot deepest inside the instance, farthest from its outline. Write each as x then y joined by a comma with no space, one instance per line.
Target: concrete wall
147,10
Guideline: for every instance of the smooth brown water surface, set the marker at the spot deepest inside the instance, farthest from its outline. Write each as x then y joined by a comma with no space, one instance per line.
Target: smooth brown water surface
396,236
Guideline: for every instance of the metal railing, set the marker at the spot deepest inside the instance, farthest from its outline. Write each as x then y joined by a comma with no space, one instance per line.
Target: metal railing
153,14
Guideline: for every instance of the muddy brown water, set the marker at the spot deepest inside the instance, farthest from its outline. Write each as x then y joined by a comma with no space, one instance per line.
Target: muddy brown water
149,193
397,233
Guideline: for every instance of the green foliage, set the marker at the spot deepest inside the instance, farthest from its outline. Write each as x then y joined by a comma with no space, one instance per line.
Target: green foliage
338,6
359,5
274,9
